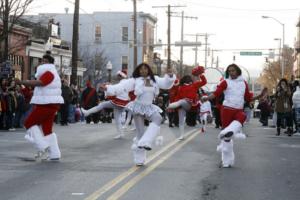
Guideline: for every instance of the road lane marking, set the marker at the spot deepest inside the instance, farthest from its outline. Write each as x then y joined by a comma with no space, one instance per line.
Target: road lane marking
77,193
98,193
120,192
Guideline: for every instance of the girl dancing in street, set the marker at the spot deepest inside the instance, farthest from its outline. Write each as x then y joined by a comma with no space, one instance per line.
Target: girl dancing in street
236,92
187,96
146,87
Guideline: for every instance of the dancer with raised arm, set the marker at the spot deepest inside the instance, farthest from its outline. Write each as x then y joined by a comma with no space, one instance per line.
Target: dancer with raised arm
187,96
146,87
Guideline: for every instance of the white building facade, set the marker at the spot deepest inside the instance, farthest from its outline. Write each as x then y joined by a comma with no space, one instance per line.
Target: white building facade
110,33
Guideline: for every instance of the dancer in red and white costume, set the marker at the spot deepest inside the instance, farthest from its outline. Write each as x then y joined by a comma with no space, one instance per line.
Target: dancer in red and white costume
117,101
205,111
187,96
236,92
46,101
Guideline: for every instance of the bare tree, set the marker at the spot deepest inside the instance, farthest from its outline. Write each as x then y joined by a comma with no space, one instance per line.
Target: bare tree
95,62
271,73
10,12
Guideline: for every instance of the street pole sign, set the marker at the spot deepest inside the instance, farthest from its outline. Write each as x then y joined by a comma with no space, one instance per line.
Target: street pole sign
250,53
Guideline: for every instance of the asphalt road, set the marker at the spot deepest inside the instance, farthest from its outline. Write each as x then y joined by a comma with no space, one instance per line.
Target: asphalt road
95,166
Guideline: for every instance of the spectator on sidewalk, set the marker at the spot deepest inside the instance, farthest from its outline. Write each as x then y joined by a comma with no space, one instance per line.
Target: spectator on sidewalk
265,107
283,106
296,108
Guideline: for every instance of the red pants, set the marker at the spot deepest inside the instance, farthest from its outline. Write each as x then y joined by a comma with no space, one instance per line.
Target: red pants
230,114
42,115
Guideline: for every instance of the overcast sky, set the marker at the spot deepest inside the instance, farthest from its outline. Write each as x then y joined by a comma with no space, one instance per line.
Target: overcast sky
234,24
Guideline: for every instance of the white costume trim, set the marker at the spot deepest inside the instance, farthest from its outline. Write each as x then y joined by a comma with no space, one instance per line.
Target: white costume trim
149,136
54,152
48,94
139,155
34,135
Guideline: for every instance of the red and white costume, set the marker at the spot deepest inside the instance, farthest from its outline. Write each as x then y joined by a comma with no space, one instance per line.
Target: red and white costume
236,92
187,97
117,101
205,110
45,100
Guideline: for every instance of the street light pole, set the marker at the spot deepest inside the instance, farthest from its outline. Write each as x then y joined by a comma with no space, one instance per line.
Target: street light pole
279,39
134,35
135,50
109,68
282,49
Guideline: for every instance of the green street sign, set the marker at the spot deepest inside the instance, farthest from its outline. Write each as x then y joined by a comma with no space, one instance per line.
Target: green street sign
250,53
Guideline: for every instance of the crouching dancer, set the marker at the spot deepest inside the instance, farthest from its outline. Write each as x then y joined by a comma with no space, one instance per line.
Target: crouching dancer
236,92
146,87
46,101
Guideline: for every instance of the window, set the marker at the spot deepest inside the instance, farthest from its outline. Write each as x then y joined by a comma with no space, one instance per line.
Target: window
124,34
97,33
124,62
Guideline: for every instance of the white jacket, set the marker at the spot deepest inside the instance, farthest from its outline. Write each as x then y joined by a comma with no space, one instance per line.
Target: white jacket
296,98
234,95
48,94
138,86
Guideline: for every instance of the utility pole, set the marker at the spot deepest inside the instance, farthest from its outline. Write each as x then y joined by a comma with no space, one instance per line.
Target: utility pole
206,35
206,50
134,35
182,35
168,32
135,54
181,47
196,52
75,43
169,37
5,31
212,58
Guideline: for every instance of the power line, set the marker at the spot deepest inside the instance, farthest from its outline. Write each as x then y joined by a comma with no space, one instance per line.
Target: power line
242,9
169,30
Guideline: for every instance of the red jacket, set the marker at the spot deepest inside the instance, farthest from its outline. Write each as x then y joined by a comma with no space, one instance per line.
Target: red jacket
190,91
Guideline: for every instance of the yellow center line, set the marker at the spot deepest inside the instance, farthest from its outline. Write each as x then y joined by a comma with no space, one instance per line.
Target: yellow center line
120,192
98,193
